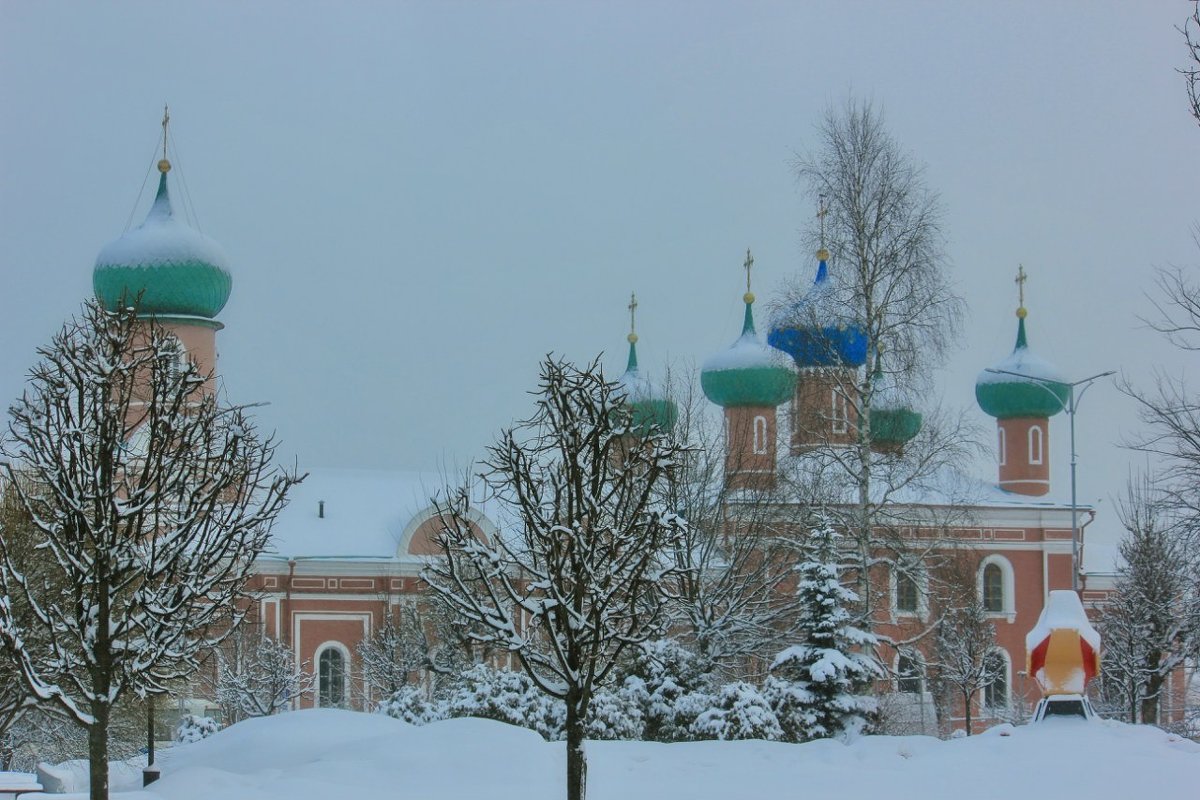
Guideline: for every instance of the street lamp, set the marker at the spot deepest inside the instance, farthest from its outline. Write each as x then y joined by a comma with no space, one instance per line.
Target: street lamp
1072,405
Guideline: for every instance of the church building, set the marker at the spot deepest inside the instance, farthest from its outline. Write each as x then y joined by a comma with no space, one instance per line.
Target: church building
349,548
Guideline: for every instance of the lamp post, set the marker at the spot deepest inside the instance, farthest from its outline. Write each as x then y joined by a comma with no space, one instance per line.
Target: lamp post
1073,399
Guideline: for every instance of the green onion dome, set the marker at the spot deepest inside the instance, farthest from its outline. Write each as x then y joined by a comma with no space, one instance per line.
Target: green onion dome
814,331
177,271
648,406
894,421
1022,385
750,373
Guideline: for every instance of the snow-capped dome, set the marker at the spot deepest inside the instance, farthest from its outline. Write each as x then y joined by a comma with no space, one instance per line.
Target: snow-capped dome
750,373
894,420
1022,385
815,332
176,269
648,406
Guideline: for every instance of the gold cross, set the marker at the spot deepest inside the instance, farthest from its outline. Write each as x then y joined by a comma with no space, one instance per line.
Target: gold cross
165,122
1020,281
822,210
748,264
632,310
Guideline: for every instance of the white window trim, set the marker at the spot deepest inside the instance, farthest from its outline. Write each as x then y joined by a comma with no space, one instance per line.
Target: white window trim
921,671
1008,684
840,422
917,573
759,444
1041,444
1003,446
332,644
1008,605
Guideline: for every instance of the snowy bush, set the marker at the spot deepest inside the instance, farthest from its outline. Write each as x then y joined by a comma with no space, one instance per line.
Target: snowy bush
193,728
508,696
614,715
740,712
793,707
668,685
410,705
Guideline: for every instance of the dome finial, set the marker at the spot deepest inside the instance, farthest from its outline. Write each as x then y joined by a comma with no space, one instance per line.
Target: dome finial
747,265
632,337
822,211
164,166
1020,281
748,297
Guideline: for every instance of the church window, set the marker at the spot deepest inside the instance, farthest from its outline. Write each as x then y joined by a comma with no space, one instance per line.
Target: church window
995,692
760,435
1003,446
993,588
908,674
908,594
841,414
1035,444
331,678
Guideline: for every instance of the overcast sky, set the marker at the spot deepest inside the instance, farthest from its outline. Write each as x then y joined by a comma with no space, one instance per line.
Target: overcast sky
419,200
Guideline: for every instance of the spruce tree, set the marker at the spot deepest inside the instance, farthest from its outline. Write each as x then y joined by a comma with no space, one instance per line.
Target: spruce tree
830,667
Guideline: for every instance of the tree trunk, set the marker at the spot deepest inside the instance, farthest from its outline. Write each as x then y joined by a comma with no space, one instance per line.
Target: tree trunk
98,751
1150,700
967,710
576,756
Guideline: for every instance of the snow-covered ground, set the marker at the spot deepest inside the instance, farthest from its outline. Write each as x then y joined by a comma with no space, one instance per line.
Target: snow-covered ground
322,754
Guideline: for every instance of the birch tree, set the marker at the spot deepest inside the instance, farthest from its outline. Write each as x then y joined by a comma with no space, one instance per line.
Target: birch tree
882,227
149,501
567,586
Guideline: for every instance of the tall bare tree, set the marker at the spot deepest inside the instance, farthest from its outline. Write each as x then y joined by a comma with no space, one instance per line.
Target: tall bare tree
882,227
149,501
567,586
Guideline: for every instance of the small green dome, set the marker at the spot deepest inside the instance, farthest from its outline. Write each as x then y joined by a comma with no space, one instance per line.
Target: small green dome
750,373
894,421
177,271
648,407
1022,385
894,426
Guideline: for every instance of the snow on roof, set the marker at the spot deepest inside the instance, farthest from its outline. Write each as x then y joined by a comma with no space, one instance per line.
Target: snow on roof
365,513
748,352
1025,362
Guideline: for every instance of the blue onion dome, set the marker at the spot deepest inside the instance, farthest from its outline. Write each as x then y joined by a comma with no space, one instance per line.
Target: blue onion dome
649,407
177,270
894,420
814,332
1022,385
750,373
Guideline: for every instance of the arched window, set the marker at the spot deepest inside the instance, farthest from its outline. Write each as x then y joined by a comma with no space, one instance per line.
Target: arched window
1035,444
995,691
909,675
331,678
760,435
996,586
1003,446
841,415
993,588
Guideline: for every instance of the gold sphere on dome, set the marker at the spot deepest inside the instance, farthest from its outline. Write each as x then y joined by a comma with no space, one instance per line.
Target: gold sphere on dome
1022,313
631,338
822,254
748,297
164,166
